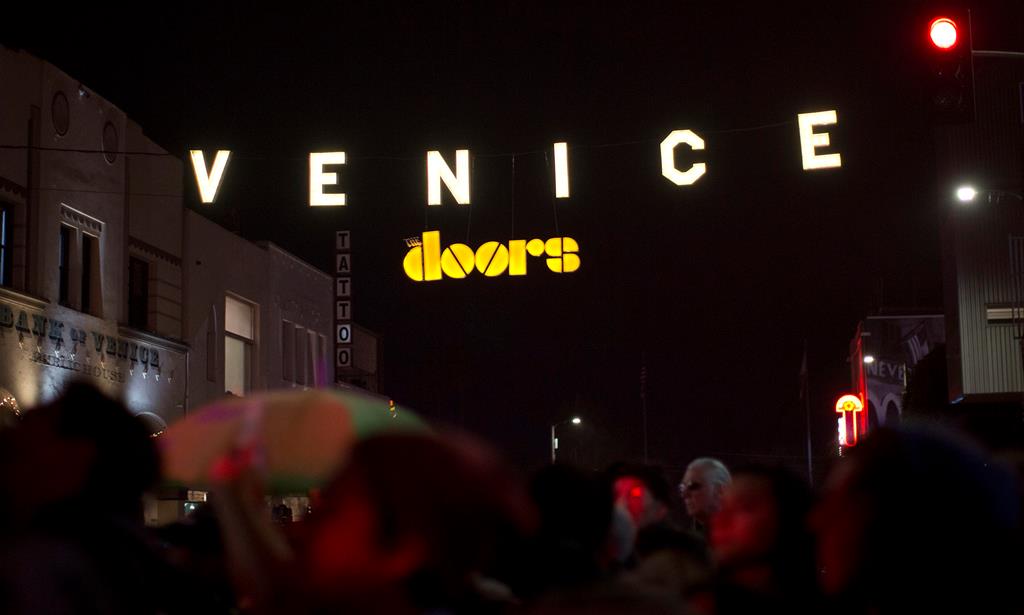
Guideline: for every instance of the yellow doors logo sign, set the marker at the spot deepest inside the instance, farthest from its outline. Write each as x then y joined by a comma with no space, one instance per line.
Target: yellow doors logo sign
428,262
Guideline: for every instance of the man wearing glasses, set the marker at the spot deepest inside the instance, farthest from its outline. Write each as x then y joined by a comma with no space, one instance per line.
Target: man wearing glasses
701,490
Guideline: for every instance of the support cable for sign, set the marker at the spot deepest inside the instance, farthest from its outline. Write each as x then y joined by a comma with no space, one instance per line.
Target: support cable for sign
554,201
513,191
472,180
258,156
469,224
305,157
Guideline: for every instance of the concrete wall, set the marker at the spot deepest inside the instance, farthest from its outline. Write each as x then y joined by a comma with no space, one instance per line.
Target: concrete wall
218,262
281,287
156,219
303,296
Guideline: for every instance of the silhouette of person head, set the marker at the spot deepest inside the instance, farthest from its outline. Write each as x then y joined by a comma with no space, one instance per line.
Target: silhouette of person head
702,486
82,448
916,521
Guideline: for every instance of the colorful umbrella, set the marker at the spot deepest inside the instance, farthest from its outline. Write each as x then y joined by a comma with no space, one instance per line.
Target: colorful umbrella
298,439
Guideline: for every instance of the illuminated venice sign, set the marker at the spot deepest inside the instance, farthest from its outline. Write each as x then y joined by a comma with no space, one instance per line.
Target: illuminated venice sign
812,138
427,261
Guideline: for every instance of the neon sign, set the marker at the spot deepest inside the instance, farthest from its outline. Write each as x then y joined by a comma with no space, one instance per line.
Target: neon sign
845,406
427,262
458,182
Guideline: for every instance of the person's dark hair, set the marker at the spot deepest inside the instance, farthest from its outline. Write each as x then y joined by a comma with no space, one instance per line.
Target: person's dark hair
793,556
451,493
660,537
575,513
942,526
651,476
126,463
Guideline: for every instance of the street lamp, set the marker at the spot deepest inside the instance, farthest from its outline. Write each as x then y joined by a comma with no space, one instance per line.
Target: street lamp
554,439
967,193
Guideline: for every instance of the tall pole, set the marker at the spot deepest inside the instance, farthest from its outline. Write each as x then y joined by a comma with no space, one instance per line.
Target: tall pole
805,392
643,398
554,444
810,467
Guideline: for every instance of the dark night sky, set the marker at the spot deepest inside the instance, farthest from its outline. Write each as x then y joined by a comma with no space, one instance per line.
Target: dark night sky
718,284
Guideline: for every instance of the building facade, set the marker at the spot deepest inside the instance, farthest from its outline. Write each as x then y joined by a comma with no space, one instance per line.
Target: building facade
106,276
91,246
983,243
257,317
883,354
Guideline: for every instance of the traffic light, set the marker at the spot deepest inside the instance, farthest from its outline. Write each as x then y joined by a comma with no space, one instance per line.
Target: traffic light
950,74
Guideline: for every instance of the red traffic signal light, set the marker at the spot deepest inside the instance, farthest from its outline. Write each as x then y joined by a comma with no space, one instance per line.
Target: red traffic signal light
948,67
943,33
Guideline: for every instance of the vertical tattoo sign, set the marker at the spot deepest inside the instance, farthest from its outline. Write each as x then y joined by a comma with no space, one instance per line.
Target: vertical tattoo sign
343,302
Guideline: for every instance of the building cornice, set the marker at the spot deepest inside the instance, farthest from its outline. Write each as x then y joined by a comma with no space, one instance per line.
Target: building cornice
151,339
153,251
13,190
20,298
80,219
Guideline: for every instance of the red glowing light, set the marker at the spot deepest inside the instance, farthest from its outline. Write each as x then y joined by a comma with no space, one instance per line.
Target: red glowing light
943,33
636,492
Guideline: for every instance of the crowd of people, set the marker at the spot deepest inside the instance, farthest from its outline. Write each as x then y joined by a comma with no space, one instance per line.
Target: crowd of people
912,520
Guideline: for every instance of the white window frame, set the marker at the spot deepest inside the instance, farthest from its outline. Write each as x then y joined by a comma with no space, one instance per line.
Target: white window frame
81,224
250,343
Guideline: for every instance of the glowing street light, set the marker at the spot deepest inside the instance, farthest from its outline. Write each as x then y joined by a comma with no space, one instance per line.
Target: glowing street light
554,439
869,359
966,194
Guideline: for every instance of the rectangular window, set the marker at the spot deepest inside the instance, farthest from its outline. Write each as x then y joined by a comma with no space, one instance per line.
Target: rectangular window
287,351
79,254
65,264
5,246
300,355
138,293
239,338
211,353
311,362
237,366
238,318
321,353
88,247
